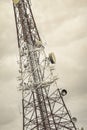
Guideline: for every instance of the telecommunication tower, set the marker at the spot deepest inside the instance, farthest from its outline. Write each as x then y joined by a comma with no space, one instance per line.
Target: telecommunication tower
43,106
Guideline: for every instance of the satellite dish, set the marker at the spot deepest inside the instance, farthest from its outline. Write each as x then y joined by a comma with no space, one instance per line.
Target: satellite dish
52,58
74,119
63,92
16,1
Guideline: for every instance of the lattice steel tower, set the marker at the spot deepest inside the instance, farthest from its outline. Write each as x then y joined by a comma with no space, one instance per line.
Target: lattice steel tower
43,109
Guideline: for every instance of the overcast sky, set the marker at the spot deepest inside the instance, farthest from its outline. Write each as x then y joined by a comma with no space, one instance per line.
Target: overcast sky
63,26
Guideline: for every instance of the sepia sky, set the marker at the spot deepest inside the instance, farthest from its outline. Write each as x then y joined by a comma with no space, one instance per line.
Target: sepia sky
63,27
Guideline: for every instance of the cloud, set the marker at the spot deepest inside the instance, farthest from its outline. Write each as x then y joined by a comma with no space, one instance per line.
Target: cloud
8,42
7,115
63,23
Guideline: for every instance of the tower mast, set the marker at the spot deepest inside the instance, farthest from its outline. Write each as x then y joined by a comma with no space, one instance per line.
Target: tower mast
43,109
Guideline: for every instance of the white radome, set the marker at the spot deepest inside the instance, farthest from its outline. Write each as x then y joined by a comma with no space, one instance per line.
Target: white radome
52,58
16,1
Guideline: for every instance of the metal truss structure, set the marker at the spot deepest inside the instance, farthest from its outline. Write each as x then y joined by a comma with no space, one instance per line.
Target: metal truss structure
43,109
